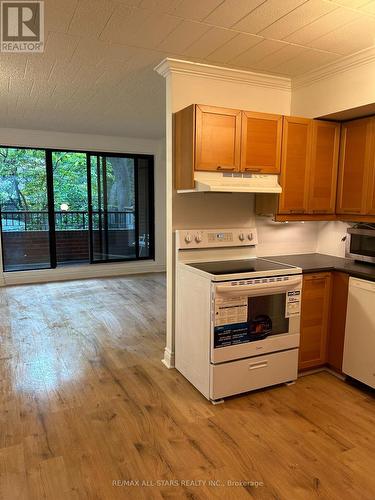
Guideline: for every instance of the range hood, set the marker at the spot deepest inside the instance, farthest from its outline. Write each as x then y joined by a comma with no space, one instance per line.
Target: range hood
234,182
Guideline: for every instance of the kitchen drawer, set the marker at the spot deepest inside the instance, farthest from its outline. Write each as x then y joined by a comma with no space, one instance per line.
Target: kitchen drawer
248,374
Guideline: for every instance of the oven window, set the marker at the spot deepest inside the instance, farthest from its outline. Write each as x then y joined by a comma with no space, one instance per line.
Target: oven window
362,245
266,316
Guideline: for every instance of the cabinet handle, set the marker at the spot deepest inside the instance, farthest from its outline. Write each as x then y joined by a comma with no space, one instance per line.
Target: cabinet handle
220,167
253,169
351,211
320,211
298,211
260,364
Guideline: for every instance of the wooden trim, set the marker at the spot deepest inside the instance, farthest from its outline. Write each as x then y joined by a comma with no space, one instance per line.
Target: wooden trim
205,108
355,218
184,147
339,300
370,204
304,217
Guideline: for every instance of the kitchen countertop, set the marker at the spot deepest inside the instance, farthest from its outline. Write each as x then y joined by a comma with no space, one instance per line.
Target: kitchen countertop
317,262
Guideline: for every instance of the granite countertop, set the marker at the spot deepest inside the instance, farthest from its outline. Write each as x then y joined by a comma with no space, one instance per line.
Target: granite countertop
317,262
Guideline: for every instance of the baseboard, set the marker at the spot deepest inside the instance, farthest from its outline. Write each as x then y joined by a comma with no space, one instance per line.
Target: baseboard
338,375
168,359
79,272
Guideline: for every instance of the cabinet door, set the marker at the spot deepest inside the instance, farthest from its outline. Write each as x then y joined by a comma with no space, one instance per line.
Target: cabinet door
355,157
316,296
217,139
340,285
261,142
295,161
370,208
323,167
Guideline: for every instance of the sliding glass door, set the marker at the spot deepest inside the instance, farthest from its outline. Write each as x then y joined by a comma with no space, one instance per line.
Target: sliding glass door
25,221
120,216
70,201
67,207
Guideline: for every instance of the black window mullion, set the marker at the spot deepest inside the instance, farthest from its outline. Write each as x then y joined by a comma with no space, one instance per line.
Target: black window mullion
105,206
100,212
2,241
51,209
136,208
89,208
151,214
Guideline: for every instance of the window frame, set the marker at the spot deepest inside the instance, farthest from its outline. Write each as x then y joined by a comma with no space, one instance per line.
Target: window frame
51,217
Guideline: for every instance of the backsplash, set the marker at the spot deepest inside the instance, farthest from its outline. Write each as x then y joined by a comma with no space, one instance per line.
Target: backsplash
277,238
330,237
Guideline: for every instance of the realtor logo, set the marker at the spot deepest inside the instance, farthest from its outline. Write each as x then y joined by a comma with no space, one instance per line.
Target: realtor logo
22,26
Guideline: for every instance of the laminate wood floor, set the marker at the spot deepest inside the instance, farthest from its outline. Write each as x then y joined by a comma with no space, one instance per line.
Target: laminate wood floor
87,410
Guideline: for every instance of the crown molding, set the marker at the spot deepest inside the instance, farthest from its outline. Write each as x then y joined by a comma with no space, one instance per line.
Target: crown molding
177,66
346,63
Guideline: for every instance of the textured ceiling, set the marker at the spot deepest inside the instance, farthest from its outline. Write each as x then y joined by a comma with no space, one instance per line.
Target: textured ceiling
96,74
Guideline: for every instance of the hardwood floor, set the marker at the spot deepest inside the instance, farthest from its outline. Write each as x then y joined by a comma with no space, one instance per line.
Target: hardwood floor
85,404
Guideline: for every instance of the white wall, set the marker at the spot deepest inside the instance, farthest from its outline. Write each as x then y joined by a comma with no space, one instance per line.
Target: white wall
86,142
336,87
330,238
341,86
275,238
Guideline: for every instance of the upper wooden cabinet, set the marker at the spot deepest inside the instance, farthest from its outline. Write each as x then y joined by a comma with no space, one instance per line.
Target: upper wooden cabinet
309,166
208,138
261,142
355,168
295,160
217,138
371,187
323,167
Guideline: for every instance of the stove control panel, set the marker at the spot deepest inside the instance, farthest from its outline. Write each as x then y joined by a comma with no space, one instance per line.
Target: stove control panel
216,238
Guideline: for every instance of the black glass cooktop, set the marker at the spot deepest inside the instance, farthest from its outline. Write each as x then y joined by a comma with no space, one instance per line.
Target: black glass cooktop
239,266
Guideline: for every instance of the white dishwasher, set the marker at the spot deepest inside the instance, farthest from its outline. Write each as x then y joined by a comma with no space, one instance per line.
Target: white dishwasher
359,345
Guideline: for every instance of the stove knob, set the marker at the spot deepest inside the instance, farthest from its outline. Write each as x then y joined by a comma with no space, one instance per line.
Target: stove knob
250,236
198,238
188,238
241,236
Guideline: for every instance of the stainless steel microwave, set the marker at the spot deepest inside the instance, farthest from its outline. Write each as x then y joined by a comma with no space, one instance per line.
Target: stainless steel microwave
360,244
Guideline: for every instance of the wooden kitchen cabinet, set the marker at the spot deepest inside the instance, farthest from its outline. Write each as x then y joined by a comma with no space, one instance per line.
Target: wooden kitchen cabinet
323,166
296,146
209,138
315,317
355,168
217,138
261,142
309,167
205,138
339,301
370,206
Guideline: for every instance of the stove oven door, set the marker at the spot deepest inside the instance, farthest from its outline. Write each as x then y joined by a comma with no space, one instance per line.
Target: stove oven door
256,317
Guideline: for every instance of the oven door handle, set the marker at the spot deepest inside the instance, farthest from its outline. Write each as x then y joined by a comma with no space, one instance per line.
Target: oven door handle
269,287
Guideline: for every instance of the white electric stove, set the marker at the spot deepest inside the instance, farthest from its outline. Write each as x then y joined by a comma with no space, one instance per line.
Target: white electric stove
237,316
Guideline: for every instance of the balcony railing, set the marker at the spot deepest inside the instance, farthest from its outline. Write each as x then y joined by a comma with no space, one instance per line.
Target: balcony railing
65,221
